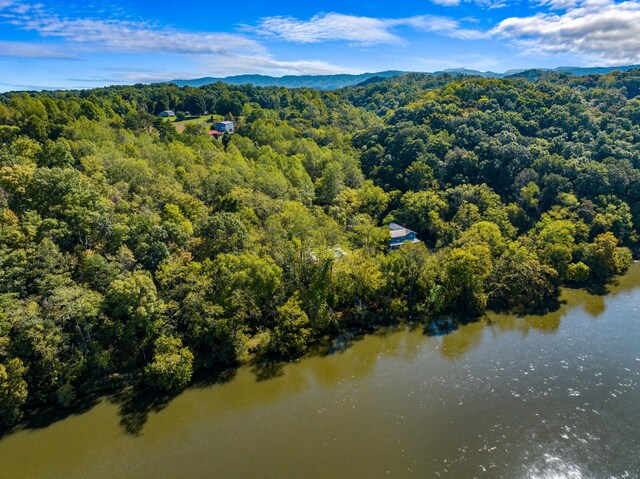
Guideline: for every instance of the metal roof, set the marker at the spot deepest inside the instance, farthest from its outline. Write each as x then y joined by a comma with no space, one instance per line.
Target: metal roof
398,231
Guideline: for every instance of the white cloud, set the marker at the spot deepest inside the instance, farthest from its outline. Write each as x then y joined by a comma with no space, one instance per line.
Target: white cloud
443,25
251,64
129,36
356,29
447,3
32,50
557,4
220,53
329,27
596,30
489,4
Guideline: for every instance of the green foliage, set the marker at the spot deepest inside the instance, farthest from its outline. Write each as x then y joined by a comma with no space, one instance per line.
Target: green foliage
465,272
135,308
223,233
13,391
578,272
519,281
171,367
357,281
292,331
605,258
130,250
367,235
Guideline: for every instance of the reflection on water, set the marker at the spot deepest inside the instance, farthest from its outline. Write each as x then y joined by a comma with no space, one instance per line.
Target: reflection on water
544,396
467,337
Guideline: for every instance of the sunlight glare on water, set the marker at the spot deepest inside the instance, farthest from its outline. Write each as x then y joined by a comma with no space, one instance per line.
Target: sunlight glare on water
555,468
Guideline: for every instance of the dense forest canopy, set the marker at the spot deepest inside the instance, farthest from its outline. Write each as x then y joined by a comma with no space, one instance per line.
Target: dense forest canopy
131,253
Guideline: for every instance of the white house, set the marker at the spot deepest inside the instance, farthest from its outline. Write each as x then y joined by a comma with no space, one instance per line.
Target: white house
167,113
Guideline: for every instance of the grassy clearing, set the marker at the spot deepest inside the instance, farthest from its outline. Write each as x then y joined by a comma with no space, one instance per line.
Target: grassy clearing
180,125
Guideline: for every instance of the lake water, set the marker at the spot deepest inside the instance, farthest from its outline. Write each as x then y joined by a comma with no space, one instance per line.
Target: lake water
554,396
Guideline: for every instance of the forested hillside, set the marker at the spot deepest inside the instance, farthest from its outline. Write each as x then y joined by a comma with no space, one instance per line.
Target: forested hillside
134,254
321,82
333,82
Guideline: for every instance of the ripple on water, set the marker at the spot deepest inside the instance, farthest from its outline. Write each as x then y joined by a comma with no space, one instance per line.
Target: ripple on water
555,468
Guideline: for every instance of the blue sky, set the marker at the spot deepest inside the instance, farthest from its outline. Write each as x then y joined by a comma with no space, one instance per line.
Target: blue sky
73,44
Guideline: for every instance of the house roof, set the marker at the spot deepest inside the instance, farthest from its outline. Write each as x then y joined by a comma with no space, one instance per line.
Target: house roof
398,231
227,122
215,132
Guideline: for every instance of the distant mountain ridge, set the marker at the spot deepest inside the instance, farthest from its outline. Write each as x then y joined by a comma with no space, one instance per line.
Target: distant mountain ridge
333,82
321,82
578,71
